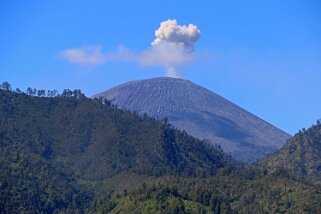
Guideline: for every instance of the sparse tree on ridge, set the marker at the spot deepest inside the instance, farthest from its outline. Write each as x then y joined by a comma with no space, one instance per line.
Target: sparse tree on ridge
6,86
29,91
106,102
49,93
34,92
66,93
41,93
52,93
78,94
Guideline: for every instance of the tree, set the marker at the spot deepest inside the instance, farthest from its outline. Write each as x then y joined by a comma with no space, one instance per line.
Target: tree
78,94
106,102
66,93
49,93
100,99
29,91
6,86
34,92
55,93
41,93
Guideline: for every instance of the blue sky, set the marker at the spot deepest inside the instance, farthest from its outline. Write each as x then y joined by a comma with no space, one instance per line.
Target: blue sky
262,55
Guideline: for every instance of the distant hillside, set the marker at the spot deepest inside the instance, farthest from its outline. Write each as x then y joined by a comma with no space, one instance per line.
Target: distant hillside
51,147
201,113
301,156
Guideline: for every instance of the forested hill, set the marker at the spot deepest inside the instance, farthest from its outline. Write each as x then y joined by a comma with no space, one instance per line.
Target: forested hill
101,140
70,154
49,144
301,156
286,182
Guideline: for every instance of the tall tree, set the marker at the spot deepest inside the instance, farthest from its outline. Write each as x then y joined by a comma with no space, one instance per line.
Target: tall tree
34,92
78,94
41,93
66,93
6,86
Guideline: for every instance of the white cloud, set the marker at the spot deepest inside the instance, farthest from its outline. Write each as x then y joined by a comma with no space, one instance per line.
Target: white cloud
173,46
87,55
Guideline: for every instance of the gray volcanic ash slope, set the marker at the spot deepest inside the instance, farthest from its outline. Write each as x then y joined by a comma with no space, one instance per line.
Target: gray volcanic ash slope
200,113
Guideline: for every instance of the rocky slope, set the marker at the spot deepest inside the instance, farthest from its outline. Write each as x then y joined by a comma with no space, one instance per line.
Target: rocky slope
200,113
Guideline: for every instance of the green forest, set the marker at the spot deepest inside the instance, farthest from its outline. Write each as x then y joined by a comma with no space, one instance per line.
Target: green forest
66,153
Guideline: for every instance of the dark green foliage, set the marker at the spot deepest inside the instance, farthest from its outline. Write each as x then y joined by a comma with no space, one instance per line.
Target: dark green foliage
219,194
71,154
30,184
49,146
5,86
300,157
248,189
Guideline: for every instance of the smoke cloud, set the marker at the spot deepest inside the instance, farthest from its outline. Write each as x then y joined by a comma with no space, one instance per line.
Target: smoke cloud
170,31
88,55
172,47
165,54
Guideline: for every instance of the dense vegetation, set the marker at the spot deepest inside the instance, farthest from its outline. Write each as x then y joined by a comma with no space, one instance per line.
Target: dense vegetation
52,146
67,153
301,156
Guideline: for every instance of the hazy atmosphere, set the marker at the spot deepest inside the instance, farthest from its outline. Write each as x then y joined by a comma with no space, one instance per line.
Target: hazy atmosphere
262,55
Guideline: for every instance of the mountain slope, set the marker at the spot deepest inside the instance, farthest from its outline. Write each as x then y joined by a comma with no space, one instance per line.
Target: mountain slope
84,134
285,182
301,156
53,151
201,113
219,194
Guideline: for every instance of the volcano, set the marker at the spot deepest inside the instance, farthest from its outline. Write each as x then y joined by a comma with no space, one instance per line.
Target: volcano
201,113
